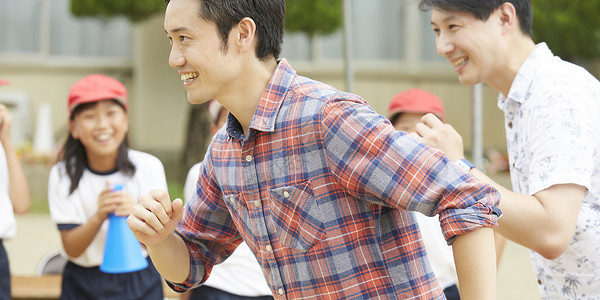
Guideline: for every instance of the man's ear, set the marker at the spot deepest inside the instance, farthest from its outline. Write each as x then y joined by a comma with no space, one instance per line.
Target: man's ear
245,34
508,17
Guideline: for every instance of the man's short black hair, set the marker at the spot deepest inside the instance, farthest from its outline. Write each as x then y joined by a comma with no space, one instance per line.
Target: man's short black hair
267,14
482,9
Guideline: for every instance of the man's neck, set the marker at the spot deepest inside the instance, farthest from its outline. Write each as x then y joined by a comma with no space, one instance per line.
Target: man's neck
247,90
516,56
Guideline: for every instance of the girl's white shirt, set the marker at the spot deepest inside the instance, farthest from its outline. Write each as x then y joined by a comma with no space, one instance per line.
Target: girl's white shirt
77,208
8,224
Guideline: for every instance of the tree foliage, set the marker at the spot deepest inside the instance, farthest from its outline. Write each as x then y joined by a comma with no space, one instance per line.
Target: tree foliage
313,17
570,28
137,10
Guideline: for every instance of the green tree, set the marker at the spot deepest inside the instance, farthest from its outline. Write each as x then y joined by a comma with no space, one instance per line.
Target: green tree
135,11
570,28
315,18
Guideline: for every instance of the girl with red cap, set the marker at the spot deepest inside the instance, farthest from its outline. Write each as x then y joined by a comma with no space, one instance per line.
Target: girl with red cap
95,156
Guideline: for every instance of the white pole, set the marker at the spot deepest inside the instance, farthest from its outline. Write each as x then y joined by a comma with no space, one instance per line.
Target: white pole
477,121
348,53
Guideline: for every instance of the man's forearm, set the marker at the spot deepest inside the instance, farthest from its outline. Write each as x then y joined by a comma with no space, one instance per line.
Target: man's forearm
475,260
543,222
171,259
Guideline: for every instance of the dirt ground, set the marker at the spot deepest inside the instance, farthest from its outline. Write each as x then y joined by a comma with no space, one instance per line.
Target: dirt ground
38,236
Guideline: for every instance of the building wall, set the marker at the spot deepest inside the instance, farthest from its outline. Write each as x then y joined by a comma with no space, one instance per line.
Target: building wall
159,108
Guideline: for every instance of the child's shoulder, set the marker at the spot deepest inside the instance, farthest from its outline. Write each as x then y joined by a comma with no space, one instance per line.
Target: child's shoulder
141,159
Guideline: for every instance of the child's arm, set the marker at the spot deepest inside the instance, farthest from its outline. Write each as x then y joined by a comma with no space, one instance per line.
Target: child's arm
76,240
18,189
475,259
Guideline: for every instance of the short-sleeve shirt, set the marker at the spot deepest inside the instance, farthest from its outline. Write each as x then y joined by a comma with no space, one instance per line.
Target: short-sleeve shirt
8,223
71,210
552,120
322,190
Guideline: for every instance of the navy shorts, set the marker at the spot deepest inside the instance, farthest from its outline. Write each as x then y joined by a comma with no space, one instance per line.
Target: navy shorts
4,274
208,293
91,283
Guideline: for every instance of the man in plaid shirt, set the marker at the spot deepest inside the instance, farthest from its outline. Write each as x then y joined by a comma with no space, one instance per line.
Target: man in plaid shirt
320,186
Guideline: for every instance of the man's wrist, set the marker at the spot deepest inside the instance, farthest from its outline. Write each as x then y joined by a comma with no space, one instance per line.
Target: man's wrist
464,164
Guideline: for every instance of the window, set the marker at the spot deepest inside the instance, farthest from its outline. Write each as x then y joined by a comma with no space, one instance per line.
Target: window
47,28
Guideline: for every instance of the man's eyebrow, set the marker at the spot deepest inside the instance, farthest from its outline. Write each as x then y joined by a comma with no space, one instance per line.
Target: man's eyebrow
178,29
446,19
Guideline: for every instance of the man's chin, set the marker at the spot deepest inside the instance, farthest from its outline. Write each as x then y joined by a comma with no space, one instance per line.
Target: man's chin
465,80
195,99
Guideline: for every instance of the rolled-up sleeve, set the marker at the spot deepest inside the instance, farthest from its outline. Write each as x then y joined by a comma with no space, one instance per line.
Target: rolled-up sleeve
374,162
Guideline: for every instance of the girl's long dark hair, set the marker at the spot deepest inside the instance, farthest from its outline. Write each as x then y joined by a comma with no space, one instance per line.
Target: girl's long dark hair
75,160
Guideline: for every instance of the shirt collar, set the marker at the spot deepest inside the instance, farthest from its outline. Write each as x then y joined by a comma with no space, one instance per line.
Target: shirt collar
266,112
527,73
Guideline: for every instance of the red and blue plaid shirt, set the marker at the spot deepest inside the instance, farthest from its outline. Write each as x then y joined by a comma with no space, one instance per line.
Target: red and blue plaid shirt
322,190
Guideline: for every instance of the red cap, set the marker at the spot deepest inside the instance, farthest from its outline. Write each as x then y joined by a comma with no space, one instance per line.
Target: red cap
416,101
96,87
4,82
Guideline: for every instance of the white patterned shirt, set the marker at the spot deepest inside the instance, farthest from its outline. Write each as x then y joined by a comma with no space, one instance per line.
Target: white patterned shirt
552,120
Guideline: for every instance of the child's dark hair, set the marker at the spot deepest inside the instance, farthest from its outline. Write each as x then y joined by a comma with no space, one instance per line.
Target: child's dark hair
75,159
482,9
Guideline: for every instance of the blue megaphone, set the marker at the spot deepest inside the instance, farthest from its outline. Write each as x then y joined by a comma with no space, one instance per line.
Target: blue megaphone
122,251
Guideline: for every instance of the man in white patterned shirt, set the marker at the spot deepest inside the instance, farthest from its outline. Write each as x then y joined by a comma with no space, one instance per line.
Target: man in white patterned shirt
553,137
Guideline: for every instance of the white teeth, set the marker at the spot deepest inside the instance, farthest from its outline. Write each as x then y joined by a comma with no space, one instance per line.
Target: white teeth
103,137
189,76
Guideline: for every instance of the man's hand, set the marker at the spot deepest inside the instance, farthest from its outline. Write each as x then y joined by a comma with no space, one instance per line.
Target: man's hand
433,132
154,218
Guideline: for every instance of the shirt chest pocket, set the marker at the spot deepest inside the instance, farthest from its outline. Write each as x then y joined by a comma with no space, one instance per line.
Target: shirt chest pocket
295,217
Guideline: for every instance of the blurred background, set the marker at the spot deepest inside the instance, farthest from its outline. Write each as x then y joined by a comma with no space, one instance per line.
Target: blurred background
375,49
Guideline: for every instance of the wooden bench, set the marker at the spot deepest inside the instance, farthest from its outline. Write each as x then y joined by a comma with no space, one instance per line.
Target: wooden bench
47,287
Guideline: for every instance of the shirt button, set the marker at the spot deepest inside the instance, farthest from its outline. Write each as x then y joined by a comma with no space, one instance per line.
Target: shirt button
249,158
510,124
268,248
257,203
280,291
286,194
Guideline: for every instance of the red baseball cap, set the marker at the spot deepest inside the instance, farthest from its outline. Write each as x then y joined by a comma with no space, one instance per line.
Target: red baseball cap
416,101
96,87
4,82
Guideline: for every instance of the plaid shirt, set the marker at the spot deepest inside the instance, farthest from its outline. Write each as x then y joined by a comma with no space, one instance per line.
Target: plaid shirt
322,189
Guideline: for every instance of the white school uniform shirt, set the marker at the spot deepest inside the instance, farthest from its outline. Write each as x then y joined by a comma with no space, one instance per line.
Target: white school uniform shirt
552,119
69,211
439,253
8,224
240,273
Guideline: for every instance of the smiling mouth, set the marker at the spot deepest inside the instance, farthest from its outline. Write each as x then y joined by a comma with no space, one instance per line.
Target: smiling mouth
189,77
459,61
103,137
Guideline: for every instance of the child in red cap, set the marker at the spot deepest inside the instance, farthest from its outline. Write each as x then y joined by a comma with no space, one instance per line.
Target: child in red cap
96,156
14,194
406,110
